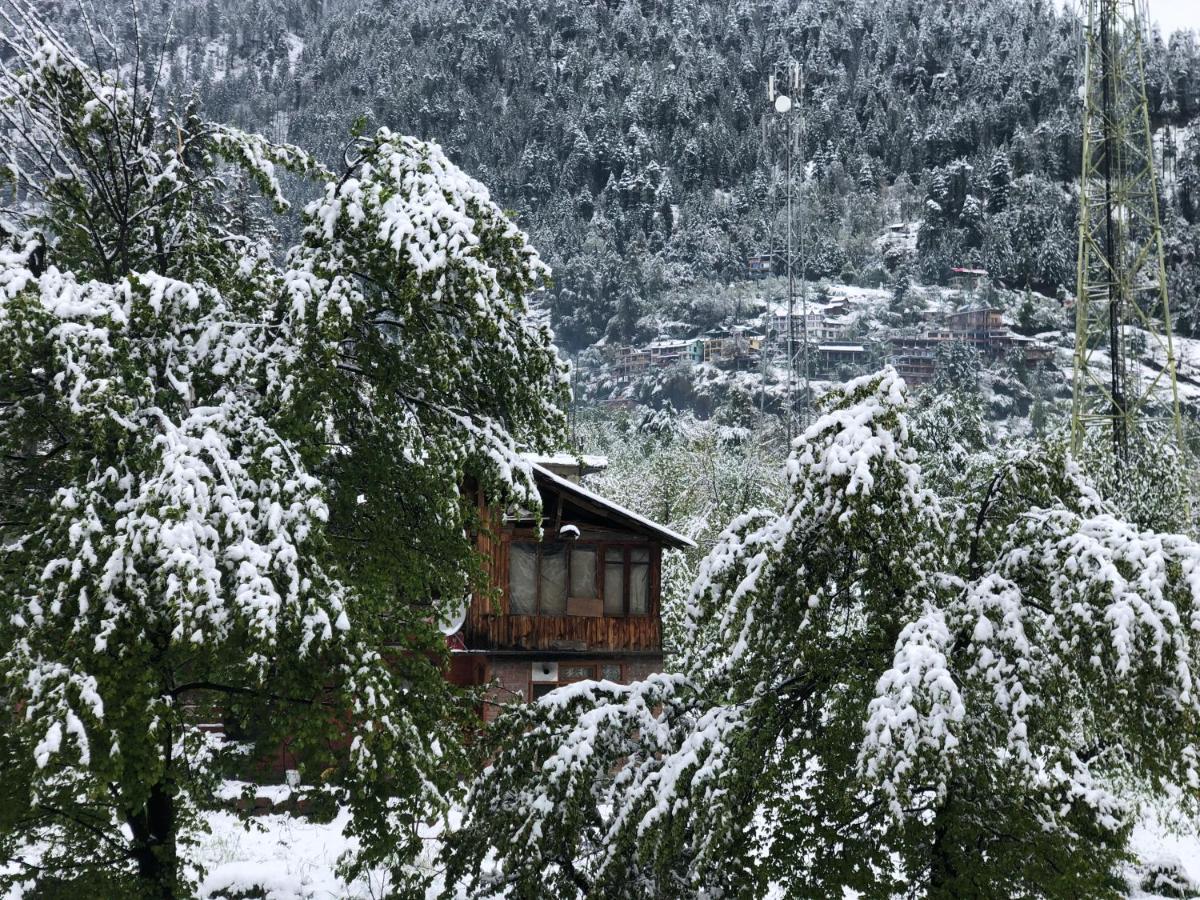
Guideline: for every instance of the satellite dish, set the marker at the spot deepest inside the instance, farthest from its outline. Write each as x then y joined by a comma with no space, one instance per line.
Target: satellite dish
783,103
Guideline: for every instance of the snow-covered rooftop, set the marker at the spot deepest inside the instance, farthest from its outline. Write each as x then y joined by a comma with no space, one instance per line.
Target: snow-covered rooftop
671,537
563,458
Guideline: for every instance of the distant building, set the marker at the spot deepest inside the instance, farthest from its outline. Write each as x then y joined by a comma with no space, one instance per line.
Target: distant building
914,355
1033,351
965,279
628,362
830,356
982,327
738,342
665,352
837,327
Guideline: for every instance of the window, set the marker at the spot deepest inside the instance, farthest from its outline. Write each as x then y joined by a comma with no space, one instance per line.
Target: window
583,571
585,595
614,581
626,580
555,579
639,581
568,673
522,579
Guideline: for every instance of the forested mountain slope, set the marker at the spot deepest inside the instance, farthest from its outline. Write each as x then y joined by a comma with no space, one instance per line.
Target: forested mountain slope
633,139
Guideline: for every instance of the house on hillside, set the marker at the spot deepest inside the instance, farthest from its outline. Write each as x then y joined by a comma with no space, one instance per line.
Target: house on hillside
731,344
830,356
982,327
583,602
966,279
914,355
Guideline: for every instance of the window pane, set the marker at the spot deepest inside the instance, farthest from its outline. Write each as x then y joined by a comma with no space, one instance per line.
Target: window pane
583,571
575,673
639,588
542,688
522,570
639,554
611,672
614,582
554,580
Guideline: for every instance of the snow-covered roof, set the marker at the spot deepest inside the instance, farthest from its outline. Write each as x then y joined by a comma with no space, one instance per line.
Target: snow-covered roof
814,308
564,459
673,538
842,348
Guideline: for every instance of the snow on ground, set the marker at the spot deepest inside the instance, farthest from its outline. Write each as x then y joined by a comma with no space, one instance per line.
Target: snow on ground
286,857
291,858
1164,848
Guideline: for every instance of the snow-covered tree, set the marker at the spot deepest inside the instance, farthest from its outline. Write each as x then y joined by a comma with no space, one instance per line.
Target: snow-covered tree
231,484
888,688
694,477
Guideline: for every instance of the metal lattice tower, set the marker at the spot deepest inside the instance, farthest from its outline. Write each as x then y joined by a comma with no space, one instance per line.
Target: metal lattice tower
1124,356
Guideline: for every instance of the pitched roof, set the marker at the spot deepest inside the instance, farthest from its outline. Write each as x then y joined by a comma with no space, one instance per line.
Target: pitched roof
628,517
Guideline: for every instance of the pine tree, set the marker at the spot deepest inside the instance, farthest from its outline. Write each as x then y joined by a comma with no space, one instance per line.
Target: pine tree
999,176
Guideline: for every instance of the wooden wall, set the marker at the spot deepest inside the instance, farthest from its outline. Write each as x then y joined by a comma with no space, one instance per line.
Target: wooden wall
490,627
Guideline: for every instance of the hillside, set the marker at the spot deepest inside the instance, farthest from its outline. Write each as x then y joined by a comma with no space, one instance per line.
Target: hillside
635,143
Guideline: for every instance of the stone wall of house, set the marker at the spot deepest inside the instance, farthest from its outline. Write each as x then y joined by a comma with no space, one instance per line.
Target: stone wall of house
514,676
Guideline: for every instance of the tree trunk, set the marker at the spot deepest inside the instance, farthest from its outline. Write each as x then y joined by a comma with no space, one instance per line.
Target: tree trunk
154,847
943,869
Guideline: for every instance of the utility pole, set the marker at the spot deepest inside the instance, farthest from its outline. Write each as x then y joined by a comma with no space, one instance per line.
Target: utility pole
786,108
1121,307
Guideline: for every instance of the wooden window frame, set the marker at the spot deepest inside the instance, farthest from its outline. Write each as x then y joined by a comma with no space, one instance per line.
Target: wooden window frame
602,549
626,548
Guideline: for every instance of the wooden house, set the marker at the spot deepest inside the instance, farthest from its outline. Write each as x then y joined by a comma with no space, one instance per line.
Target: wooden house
982,327
582,602
830,356
966,279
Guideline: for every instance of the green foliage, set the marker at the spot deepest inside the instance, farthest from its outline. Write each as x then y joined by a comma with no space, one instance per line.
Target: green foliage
1153,487
691,476
236,486
947,687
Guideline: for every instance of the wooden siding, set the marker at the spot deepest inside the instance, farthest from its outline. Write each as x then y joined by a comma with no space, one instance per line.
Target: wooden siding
490,627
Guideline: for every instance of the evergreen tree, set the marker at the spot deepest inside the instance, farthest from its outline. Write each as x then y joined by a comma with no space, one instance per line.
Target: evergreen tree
905,305
956,368
999,176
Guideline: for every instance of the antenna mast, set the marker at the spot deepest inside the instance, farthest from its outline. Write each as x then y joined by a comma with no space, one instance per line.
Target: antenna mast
1124,367
789,110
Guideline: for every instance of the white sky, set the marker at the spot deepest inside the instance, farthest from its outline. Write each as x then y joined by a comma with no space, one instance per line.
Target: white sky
1171,15
1174,15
